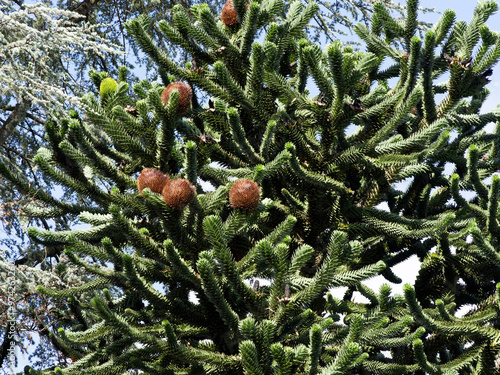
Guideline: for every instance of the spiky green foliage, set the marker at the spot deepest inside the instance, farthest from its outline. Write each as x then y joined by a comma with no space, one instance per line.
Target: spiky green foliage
178,291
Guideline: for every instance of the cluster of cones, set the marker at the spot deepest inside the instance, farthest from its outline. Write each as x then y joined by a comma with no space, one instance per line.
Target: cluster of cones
178,193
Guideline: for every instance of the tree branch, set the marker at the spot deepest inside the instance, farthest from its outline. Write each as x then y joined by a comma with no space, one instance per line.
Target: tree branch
7,340
85,7
15,117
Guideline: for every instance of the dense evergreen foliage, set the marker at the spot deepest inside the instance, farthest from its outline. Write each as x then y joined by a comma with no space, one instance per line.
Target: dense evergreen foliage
177,269
46,53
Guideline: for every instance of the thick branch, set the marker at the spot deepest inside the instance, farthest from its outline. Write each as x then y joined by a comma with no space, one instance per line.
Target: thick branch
8,339
15,117
85,7
44,330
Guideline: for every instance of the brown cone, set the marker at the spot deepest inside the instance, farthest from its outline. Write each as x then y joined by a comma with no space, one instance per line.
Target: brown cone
178,193
185,95
228,15
244,194
153,179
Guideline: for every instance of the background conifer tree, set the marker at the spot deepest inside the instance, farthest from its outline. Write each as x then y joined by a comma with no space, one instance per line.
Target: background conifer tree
175,270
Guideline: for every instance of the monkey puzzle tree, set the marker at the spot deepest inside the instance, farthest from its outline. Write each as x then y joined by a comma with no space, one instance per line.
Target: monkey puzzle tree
176,269
46,54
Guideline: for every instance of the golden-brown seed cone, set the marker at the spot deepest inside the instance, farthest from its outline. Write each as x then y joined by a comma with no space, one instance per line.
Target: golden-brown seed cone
228,14
153,179
244,194
178,193
185,95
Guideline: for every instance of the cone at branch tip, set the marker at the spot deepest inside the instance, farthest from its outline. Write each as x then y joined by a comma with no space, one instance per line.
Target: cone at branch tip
178,193
185,95
153,179
228,14
108,86
244,194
